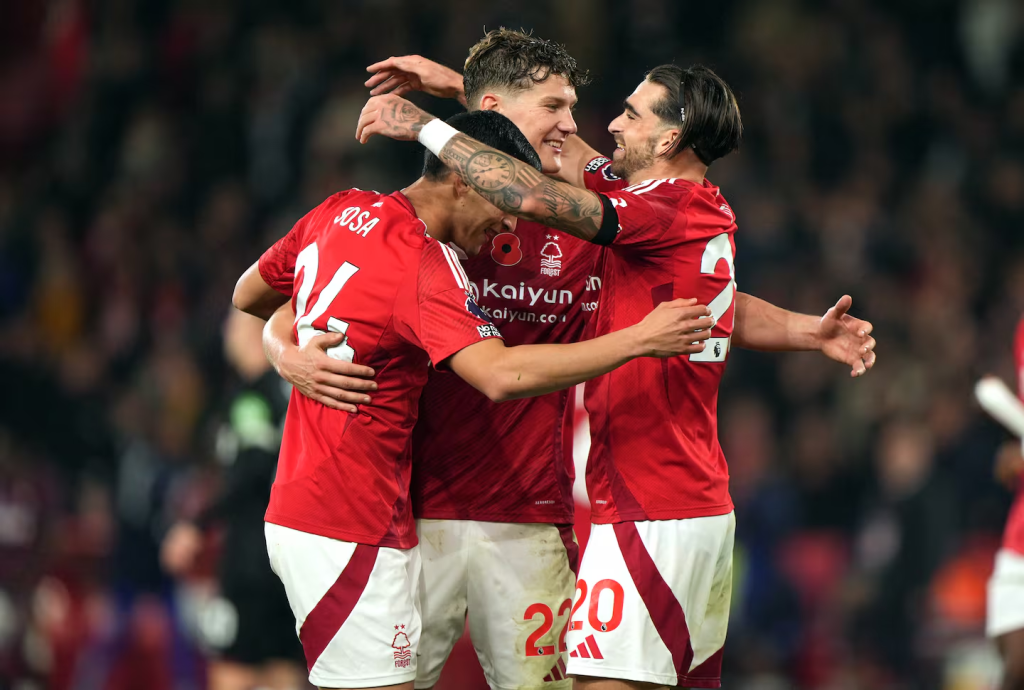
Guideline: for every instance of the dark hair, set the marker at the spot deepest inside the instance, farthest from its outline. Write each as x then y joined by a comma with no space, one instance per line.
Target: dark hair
515,61
712,126
490,128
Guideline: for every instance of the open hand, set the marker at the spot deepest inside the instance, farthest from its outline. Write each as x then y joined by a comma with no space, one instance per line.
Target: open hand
391,116
336,383
847,339
400,75
679,327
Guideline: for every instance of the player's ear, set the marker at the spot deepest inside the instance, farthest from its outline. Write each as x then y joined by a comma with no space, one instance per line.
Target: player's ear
459,187
490,101
667,140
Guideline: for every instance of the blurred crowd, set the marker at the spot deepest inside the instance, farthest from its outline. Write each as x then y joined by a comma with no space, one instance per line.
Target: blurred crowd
149,152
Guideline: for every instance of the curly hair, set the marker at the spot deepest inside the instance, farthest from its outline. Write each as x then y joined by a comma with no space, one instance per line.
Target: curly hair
514,61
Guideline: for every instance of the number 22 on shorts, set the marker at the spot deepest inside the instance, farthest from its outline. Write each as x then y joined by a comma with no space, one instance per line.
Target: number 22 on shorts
533,648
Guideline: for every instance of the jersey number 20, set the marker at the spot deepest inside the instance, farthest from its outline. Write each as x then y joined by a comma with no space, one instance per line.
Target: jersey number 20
308,261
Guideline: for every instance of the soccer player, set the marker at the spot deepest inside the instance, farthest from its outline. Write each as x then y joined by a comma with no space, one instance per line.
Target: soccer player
377,269
1005,620
654,588
255,649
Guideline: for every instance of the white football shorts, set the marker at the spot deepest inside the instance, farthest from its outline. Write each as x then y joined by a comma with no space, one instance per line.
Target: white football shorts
652,602
355,606
1006,594
516,583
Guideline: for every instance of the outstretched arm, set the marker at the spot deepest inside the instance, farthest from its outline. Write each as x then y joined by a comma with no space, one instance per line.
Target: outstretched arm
839,336
506,373
506,182
400,75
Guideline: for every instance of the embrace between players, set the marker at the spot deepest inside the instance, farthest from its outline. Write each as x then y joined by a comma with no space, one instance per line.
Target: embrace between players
390,521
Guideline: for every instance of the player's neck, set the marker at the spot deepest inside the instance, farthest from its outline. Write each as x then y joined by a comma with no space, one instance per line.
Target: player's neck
428,201
685,166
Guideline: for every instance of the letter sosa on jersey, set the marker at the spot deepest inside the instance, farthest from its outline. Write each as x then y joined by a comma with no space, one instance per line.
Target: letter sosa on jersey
357,220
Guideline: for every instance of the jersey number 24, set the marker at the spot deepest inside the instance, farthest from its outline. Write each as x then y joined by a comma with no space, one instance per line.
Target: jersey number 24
308,261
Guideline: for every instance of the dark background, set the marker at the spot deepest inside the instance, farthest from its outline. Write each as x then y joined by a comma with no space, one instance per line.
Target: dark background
149,152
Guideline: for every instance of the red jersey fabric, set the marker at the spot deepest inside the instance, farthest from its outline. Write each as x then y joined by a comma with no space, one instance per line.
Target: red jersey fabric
508,462
361,264
1013,535
654,423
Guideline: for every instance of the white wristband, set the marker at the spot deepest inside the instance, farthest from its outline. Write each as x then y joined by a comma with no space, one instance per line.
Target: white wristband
435,134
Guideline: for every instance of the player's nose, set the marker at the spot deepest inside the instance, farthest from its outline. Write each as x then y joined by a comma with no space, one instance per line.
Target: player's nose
508,223
567,125
615,126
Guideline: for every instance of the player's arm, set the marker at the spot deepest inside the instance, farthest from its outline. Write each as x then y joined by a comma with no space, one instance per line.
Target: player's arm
576,154
509,184
506,373
763,326
254,296
332,382
400,75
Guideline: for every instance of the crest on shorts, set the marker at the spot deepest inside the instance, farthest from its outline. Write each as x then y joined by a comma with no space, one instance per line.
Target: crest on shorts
401,645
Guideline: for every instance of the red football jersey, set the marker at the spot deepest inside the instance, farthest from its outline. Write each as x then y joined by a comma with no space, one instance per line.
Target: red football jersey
510,462
1013,535
654,422
361,264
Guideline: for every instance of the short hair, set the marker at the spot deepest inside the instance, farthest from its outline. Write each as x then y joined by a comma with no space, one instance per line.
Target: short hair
514,61
490,128
712,126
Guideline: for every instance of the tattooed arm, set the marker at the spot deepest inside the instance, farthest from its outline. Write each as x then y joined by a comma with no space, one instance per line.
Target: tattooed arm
509,184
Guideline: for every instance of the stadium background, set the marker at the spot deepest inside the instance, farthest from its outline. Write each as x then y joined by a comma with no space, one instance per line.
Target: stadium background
150,150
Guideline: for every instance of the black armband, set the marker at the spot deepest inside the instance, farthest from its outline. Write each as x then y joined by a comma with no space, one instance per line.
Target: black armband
609,223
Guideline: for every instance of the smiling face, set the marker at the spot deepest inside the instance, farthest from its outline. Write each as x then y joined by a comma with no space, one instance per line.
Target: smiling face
640,135
543,112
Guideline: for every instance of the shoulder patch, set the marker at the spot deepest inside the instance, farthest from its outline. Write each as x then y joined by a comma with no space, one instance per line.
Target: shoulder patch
595,164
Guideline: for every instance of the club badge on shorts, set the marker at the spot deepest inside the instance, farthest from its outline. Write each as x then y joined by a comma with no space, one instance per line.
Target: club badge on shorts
401,644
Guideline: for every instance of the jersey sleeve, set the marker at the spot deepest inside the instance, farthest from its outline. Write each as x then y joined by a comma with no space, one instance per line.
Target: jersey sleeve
598,176
277,265
446,317
645,214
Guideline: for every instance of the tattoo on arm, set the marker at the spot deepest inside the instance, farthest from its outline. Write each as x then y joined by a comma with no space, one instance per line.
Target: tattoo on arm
403,113
519,189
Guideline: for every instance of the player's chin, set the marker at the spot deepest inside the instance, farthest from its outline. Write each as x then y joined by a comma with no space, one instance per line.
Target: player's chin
551,162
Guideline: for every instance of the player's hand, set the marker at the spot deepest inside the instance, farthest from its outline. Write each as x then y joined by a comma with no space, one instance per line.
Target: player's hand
1009,464
332,382
847,339
400,75
180,548
679,327
391,116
